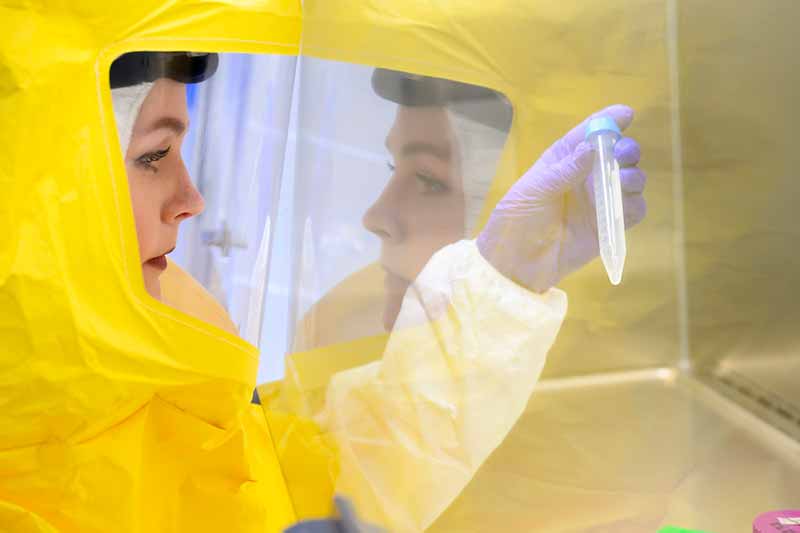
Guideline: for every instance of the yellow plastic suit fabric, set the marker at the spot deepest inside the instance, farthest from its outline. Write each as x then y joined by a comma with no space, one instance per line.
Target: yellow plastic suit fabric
118,413
162,469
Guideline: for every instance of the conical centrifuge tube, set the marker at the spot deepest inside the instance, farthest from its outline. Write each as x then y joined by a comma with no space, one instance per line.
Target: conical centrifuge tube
602,133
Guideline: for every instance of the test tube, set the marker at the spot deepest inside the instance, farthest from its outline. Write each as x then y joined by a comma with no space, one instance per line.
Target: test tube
602,133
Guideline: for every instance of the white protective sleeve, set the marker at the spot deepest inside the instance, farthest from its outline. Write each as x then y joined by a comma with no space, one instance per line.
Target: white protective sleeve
458,370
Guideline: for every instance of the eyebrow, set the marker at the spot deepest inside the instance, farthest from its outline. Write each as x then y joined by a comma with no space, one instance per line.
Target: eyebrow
172,123
440,152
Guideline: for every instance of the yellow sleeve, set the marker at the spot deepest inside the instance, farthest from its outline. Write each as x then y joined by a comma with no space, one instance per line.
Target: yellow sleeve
413,428
15,519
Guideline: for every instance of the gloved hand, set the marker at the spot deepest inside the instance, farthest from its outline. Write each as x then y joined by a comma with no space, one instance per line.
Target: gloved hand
545,227
347,522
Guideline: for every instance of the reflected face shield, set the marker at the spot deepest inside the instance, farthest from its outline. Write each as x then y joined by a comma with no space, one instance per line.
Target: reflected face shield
391,168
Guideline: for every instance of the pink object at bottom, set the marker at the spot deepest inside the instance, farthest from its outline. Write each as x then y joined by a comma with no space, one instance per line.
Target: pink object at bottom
778,521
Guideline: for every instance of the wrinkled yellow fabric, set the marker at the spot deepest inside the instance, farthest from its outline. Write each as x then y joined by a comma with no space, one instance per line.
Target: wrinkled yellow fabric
117,412
161,469
404,435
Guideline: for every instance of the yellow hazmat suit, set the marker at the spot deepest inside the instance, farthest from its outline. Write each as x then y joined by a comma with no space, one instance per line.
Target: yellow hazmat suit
118,413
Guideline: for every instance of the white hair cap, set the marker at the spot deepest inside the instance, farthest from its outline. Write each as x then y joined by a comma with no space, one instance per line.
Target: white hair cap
127,102
481,147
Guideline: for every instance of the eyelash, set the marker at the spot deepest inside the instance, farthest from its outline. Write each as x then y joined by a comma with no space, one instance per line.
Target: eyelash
432,185
147,160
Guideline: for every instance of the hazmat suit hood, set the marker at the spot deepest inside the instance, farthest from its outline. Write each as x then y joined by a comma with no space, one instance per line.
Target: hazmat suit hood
94,370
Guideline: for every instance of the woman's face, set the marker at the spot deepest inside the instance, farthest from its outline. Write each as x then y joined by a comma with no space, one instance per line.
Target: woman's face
421,210
162,193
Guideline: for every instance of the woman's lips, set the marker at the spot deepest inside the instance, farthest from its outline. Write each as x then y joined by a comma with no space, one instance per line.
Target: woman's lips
159,262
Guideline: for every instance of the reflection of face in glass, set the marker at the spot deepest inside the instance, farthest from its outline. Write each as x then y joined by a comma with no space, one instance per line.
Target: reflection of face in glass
422,207
162,193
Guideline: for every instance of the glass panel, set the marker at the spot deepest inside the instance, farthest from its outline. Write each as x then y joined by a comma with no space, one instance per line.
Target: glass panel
740,113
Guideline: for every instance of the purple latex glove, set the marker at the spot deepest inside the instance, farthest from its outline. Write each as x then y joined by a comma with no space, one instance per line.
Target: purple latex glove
545,227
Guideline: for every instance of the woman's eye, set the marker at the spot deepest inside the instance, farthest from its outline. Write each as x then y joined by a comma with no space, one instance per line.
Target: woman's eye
429,185
147,160
392,168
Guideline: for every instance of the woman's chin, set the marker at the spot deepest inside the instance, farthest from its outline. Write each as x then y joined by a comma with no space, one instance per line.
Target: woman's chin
152,285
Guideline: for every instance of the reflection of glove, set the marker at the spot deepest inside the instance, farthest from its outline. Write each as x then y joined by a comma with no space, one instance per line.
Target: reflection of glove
545,227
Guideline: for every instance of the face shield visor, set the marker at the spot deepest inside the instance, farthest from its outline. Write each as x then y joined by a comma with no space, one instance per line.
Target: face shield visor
204,138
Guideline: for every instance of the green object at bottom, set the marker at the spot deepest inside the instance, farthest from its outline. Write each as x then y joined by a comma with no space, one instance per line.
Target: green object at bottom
673,529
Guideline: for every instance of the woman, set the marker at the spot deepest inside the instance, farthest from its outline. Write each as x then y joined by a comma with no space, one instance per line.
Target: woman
151,112
162,192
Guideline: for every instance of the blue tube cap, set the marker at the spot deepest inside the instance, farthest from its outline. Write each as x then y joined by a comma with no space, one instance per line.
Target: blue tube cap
602,125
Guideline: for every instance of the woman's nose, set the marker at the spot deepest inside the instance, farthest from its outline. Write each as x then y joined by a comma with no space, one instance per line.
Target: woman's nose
187,200
384,218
